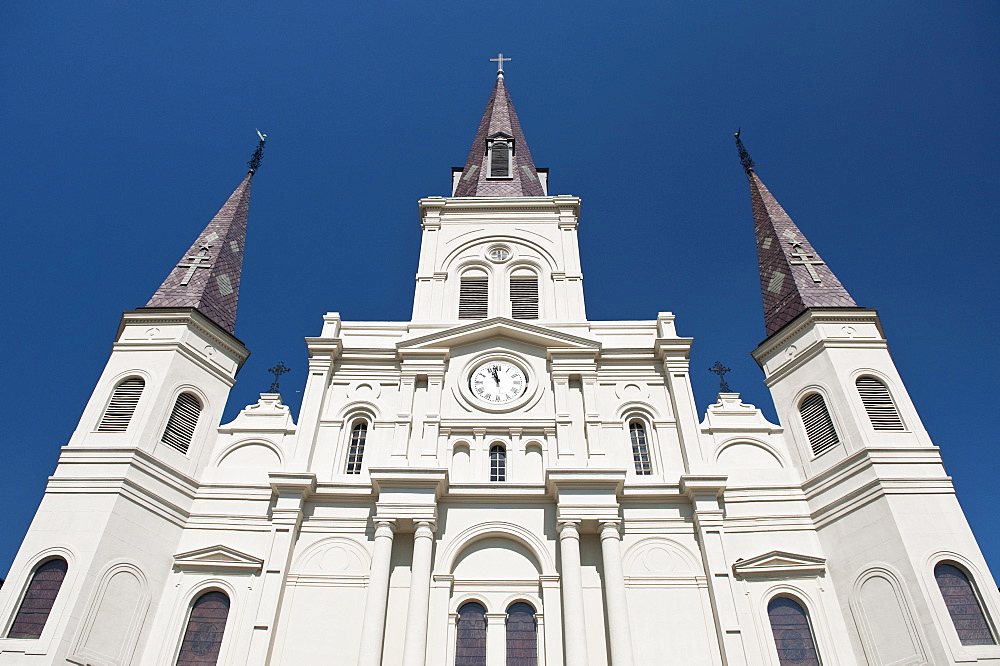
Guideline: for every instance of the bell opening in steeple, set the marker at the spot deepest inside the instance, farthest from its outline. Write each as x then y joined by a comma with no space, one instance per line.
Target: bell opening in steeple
500,148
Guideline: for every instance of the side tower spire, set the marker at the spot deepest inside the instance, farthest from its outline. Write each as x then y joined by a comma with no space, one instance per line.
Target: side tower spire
793,277
499,163
207,277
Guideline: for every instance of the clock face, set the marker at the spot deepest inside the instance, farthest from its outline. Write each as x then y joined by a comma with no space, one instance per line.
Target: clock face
498,382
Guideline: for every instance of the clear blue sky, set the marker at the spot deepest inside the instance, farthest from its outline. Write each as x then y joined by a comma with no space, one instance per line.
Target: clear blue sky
127,124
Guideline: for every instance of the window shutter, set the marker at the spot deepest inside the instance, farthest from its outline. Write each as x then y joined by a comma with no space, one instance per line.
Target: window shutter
123,401
819,427
878,403
500,160
473,298
524,298
183,420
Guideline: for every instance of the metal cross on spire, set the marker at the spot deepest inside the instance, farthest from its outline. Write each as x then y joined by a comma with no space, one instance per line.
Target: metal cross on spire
277,371
499,60
721,370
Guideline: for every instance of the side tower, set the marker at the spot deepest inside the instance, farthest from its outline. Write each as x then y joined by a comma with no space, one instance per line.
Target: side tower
913,585
96,556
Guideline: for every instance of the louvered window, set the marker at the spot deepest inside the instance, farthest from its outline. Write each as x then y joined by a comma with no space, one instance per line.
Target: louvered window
123,401
522,639
356,452
182,423
524,297
473,298
819,426
793,637
205,629
38,600
640,450
963,605
500,159
470,644
498,463
878,403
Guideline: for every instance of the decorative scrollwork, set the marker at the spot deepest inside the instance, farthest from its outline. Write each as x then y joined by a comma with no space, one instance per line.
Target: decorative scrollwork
745,159
258,154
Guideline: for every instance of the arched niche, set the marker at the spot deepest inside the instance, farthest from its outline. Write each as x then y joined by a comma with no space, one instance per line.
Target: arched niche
496,558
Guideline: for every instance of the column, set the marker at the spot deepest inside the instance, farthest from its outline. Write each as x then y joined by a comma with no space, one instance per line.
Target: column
614,596
415,638
373,627
496,639
572,594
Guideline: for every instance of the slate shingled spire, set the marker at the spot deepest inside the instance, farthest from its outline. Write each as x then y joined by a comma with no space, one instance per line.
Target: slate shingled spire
793,277
208,275
499,119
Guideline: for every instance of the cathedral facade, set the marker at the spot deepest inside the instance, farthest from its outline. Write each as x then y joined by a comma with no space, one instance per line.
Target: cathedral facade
500,481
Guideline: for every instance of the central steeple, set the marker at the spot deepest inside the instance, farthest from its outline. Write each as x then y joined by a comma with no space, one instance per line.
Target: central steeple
499,163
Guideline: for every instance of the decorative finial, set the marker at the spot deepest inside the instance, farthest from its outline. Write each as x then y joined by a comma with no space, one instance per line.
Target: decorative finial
258,154
277,370
499,60
721,370
744,155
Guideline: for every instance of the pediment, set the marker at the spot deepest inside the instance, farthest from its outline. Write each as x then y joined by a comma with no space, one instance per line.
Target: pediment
780,564
217,558
514,329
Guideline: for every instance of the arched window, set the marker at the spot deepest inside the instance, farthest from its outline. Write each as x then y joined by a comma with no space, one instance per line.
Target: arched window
793,636
878,403
498,463
640,450
182,422
470,648
524,294
963,605
38,599
818,424
122,405
356,451
205,627
522,641
500,159
474,295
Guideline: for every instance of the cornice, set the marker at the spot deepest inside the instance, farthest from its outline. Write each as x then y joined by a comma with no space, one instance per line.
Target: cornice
809,317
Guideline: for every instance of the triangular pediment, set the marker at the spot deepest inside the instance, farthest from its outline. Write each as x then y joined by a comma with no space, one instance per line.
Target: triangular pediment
217,558
514,329
780,564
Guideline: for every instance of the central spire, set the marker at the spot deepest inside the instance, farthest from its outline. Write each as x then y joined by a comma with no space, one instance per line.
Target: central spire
499,163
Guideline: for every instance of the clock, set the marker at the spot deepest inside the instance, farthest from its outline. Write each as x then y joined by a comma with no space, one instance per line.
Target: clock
497,382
